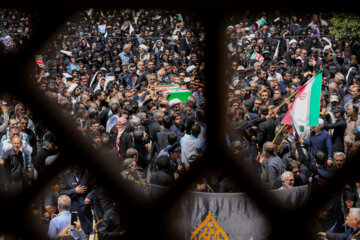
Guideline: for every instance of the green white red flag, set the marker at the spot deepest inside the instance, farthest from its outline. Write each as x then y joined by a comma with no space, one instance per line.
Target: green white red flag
39,61
305,109
257,56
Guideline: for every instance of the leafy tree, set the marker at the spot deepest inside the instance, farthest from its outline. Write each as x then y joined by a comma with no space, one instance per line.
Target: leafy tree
346,26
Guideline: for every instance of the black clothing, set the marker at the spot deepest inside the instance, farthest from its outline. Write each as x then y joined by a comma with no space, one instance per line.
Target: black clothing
111,225
101,202
266,132
162,178
236,129
338,136
13,164
161,140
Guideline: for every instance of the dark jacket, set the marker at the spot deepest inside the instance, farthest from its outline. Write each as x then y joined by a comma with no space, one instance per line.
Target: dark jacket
272,170
111,225
161,140
338,136
266,132
321,141
236,129
154,127
162,178
68,184
13,164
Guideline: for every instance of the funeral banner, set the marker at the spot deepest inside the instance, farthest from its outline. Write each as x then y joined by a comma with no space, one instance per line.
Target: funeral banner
198,215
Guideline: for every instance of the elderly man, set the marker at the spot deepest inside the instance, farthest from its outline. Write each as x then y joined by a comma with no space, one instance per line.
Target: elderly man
352,114
125,55
339,158
287,180
60,225
353,233
271,166
13,163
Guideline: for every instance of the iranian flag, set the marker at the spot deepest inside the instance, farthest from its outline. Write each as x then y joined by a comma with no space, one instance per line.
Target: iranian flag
39,60
257,56
305,109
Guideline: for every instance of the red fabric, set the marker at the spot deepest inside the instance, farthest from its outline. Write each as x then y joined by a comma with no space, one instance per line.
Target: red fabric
287,118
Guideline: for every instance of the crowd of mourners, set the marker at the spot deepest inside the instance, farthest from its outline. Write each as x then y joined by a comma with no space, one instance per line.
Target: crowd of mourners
269,57
15,28
102,71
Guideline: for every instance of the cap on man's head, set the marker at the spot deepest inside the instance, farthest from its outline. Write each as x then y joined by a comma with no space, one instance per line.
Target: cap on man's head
190,68
240,68
334,98
292,41
174,102
230,27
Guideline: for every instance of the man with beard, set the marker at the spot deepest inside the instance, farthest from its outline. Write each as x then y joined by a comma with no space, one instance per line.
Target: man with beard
352,114
124,77
99,99
150,67
353,97
353,221
294,167
287,180
176,126
271,72
262,76
284,85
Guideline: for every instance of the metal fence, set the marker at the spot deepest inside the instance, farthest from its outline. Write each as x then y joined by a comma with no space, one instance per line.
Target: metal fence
146,219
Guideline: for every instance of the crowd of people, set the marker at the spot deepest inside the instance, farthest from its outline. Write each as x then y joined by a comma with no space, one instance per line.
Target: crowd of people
103,73
15,28
269,57
108,72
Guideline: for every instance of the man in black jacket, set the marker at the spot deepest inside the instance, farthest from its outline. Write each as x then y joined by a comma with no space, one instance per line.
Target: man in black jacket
339,129
111,226
236,128
13,163
266,130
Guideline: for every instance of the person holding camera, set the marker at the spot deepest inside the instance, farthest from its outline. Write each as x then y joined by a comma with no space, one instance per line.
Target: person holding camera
62,226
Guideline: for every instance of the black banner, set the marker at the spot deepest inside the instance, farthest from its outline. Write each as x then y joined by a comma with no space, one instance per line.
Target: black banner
222,215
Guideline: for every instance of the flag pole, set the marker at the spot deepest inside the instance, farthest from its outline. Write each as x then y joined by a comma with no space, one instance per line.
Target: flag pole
292,95
286,100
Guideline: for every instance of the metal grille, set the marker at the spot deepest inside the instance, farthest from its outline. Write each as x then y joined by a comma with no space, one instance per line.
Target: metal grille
146,220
